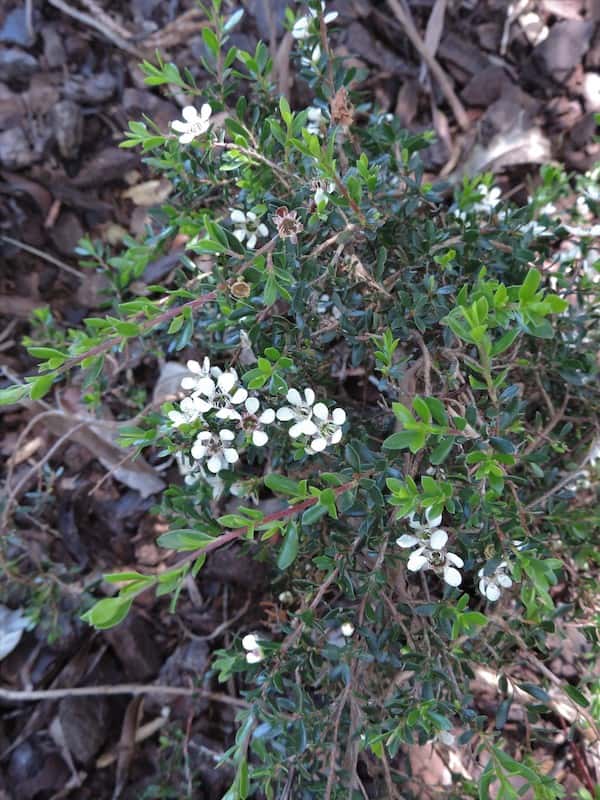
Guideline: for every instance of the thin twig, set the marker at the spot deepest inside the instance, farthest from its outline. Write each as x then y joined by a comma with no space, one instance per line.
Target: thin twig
334,749
436,70
20,695
40,253
88,20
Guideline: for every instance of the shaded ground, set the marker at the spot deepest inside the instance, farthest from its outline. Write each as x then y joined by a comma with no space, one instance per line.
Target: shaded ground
527,87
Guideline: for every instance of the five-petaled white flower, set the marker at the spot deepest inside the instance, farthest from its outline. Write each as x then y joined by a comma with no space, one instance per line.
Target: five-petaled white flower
491,585
199,371
254,652
431,552
248,226
300,411
302,26
329,428
193,124
222,394
255,422
215,449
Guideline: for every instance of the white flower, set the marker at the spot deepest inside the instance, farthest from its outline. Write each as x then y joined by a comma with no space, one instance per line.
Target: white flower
254,652
324,303
255,422
347,629
329,429
315,117
194,124
188,412
301,29
491,585
423,531
300,411
215,449
322,191
222,394
247,226
431,553
199,371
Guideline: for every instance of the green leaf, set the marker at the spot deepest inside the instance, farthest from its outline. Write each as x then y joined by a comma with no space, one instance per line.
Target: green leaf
442,451
184,539
314,513
41,386
530,284
211,41
13,394
289,549
576,695
47,353
233,521
108,612
282,485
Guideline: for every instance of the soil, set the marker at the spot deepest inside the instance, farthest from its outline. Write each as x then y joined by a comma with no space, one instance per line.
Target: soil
528,85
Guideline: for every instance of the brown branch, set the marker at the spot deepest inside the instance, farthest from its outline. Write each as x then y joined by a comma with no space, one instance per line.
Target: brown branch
20,696
231,536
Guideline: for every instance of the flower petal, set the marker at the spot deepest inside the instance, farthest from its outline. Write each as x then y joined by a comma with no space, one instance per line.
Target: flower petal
252,405
189,113
267,417
293,397
186,138
231,455
226,381
249,642
406,540
285,414
206,110
259,438
214,464
240,234
319,444
452,576
226,435
438,539
416,562
321,412
251,243
179,126
338,415
492,592
454,559
310,396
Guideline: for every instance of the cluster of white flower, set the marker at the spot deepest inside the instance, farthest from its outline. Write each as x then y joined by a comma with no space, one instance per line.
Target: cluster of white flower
224,409
488,200
312,420
430,542
305,26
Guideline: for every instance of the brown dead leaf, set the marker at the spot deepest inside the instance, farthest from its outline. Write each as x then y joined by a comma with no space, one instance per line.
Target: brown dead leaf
521,145
100,439
149,193
433,32
127,742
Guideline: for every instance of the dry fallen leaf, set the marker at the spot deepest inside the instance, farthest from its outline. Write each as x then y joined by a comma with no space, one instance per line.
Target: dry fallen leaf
520,145
149,193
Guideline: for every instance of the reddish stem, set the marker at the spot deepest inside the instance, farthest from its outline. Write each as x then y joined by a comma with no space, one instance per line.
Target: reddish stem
231,536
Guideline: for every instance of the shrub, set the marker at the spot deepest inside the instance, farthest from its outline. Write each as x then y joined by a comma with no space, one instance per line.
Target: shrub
408,375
